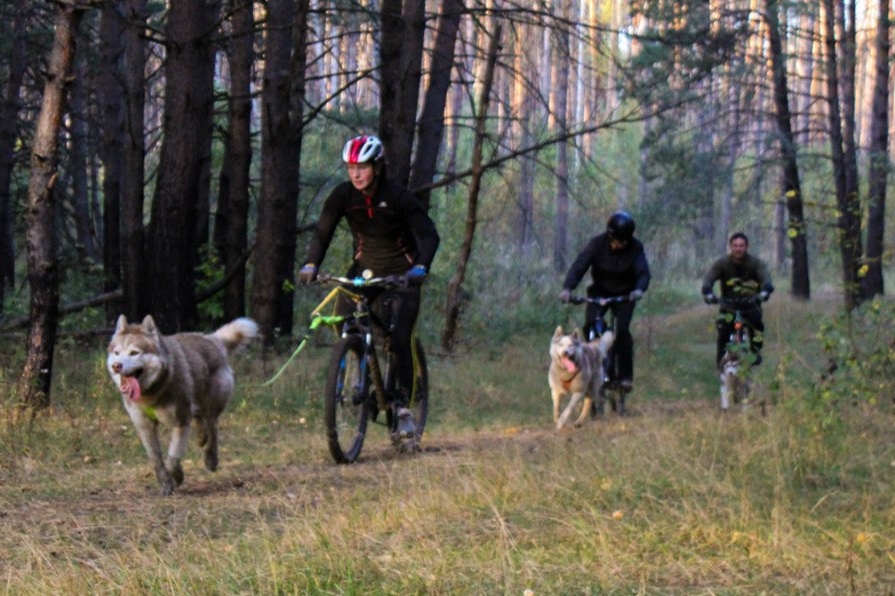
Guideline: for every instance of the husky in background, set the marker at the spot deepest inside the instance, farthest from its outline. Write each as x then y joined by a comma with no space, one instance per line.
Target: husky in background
176,380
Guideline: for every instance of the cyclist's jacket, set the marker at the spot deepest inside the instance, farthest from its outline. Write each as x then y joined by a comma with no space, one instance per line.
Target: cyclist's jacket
738,280
391,230
613,272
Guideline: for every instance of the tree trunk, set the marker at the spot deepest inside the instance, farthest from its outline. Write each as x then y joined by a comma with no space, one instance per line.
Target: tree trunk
401,61
454,290
133,233
275,230
41,239
79,165
560,96
431,125
173,245
791,185
847,200
112,101
231,219
9,118
878,166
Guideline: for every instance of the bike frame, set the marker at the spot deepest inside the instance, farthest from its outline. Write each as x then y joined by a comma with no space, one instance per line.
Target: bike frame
740,341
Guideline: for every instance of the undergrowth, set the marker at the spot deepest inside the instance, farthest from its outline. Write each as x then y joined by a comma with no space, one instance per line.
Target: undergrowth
676,499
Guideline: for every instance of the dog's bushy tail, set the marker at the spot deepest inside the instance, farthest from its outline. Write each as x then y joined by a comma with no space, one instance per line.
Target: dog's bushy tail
237,333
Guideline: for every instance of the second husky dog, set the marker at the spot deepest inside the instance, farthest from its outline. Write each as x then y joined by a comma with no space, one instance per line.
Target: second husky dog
176,380
576,368
733,373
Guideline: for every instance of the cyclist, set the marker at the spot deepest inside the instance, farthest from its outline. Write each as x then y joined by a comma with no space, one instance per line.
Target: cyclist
745,282
392,235
618,267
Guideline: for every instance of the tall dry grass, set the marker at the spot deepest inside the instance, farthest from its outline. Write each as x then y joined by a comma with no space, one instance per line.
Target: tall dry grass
676,499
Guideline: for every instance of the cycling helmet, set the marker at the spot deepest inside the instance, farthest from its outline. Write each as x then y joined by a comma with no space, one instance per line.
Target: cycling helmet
362,149
620,226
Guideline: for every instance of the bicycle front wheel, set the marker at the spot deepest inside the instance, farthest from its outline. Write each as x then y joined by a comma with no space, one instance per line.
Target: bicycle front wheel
347,408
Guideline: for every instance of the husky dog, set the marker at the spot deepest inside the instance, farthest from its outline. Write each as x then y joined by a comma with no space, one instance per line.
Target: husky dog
733,373
576,368
175,380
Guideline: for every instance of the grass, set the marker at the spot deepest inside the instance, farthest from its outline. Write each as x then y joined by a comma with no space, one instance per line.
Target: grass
675,499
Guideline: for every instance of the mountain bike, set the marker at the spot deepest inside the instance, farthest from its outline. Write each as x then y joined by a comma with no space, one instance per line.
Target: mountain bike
360,386
610,389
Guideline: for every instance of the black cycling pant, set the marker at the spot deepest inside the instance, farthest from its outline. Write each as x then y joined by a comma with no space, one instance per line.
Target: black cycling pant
397,309
622,352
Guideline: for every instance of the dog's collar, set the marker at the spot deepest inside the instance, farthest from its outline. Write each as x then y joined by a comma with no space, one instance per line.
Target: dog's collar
150,412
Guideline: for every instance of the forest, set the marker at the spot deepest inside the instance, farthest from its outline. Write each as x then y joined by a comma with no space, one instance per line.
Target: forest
170,158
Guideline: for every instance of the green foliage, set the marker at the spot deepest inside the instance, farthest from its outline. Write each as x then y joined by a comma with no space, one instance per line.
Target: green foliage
860,348
209,271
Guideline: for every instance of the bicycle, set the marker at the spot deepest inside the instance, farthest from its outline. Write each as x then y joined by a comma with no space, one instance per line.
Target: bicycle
738,357
610,389
358,387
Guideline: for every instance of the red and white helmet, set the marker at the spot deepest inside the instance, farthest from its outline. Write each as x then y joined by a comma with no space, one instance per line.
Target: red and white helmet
362,149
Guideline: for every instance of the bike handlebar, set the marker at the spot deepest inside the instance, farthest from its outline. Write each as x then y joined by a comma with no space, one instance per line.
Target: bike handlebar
388,281
737,302
601,300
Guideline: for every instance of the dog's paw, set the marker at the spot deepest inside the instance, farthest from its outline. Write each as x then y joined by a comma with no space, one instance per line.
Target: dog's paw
175,470
165,482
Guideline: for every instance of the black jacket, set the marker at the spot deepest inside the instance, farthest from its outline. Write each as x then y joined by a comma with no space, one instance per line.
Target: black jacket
613,273
738,280
391,230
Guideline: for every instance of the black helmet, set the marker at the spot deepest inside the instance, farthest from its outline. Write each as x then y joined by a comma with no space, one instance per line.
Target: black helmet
620,226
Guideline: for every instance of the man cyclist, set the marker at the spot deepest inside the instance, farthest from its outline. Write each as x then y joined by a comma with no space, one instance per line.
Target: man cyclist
392,235
618,267
745,283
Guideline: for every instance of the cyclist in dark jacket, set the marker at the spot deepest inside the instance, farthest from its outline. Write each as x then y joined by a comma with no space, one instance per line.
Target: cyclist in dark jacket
618,267
745,283
392,235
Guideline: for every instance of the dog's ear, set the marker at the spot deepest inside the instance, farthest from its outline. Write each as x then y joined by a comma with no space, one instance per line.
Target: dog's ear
148,324
121,324
576,333
558,331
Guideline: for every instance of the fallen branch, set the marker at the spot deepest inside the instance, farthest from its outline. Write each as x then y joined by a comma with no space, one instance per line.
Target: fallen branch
21,322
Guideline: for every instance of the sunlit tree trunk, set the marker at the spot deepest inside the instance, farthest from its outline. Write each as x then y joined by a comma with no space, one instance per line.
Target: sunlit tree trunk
41,235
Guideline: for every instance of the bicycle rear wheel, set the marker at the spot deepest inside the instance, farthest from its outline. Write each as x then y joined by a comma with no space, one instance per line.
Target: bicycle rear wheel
347,407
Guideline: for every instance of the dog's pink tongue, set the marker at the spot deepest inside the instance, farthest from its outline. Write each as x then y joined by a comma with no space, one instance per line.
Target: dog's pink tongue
130,387
570,366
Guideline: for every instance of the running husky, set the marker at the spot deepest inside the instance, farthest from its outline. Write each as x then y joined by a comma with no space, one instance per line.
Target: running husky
175,380
576,367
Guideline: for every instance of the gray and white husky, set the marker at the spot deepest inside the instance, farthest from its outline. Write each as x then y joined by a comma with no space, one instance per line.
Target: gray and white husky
176,380
576,368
